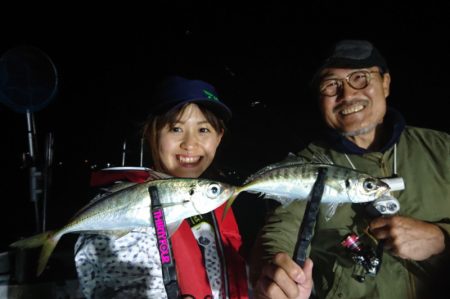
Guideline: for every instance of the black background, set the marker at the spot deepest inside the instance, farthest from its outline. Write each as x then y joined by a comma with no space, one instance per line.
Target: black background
259,56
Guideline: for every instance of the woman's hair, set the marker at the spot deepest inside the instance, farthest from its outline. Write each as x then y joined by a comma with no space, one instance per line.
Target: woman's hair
154,124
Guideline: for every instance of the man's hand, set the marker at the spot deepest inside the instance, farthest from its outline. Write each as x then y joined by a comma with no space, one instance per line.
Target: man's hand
408,238
283,278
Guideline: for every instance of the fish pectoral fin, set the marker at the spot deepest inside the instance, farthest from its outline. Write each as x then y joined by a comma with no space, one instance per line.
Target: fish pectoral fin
174,204
335,185
330,210
172,227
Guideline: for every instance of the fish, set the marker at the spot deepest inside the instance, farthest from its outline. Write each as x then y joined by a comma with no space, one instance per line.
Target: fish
293,179
129,207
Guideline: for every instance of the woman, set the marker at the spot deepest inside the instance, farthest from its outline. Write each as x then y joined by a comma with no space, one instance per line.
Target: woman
184,130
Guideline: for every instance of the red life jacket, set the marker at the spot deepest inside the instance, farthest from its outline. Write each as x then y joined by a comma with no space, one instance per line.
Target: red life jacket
191,272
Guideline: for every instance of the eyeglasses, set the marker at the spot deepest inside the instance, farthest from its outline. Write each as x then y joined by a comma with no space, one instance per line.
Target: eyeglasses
356,80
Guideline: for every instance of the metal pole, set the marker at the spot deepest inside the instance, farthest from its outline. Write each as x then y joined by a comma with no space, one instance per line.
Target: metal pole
141,159
124,149
30,132
35,174
47,177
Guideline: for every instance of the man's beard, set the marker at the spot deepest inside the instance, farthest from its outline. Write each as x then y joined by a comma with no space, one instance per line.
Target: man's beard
359,131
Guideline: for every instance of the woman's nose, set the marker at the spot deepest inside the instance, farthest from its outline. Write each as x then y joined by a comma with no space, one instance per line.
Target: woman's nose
189,141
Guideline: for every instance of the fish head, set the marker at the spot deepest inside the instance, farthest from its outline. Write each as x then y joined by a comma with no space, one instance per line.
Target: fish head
365,188
209,195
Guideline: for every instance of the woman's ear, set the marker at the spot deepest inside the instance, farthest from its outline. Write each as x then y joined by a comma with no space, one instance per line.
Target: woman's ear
386,84
220,136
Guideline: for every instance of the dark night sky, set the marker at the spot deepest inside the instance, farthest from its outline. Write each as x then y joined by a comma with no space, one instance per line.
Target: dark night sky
109,59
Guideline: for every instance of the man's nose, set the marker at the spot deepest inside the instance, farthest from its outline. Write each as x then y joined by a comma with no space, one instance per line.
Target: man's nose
345,91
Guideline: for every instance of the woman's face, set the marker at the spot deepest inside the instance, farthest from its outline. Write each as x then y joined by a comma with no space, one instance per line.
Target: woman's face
187,147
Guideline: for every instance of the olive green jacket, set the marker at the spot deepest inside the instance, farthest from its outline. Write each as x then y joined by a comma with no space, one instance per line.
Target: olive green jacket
423,160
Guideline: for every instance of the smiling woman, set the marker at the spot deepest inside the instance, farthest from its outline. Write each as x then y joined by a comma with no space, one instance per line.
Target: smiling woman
188,145
184,129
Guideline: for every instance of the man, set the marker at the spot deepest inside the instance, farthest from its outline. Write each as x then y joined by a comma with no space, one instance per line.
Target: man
359,252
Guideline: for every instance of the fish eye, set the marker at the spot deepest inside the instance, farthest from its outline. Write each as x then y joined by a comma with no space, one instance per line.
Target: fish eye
369,184
213,190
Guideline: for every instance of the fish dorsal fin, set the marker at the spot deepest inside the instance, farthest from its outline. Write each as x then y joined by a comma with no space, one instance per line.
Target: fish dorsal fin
321,158
290,160
117,186
291,157
156,175
105,193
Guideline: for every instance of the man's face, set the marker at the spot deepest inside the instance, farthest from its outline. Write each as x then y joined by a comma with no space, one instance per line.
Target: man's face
353,110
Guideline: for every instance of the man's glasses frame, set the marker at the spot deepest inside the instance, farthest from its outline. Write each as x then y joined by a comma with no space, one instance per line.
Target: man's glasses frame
359,79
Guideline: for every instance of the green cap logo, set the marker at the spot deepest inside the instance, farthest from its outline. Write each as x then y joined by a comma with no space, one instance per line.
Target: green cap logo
210,95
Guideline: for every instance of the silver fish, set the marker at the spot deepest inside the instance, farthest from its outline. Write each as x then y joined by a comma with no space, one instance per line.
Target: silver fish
294,179
130,207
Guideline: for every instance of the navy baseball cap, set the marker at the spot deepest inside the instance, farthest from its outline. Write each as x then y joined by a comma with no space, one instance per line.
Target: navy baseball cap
352,54
176,91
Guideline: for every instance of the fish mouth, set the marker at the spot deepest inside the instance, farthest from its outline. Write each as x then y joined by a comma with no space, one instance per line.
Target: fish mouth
383,190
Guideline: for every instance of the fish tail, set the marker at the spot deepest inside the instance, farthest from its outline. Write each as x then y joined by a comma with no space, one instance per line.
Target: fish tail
47,249
33,241
231,200
47,240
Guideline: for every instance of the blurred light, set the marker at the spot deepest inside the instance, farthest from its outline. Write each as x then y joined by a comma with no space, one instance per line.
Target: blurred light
232,74
258,103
